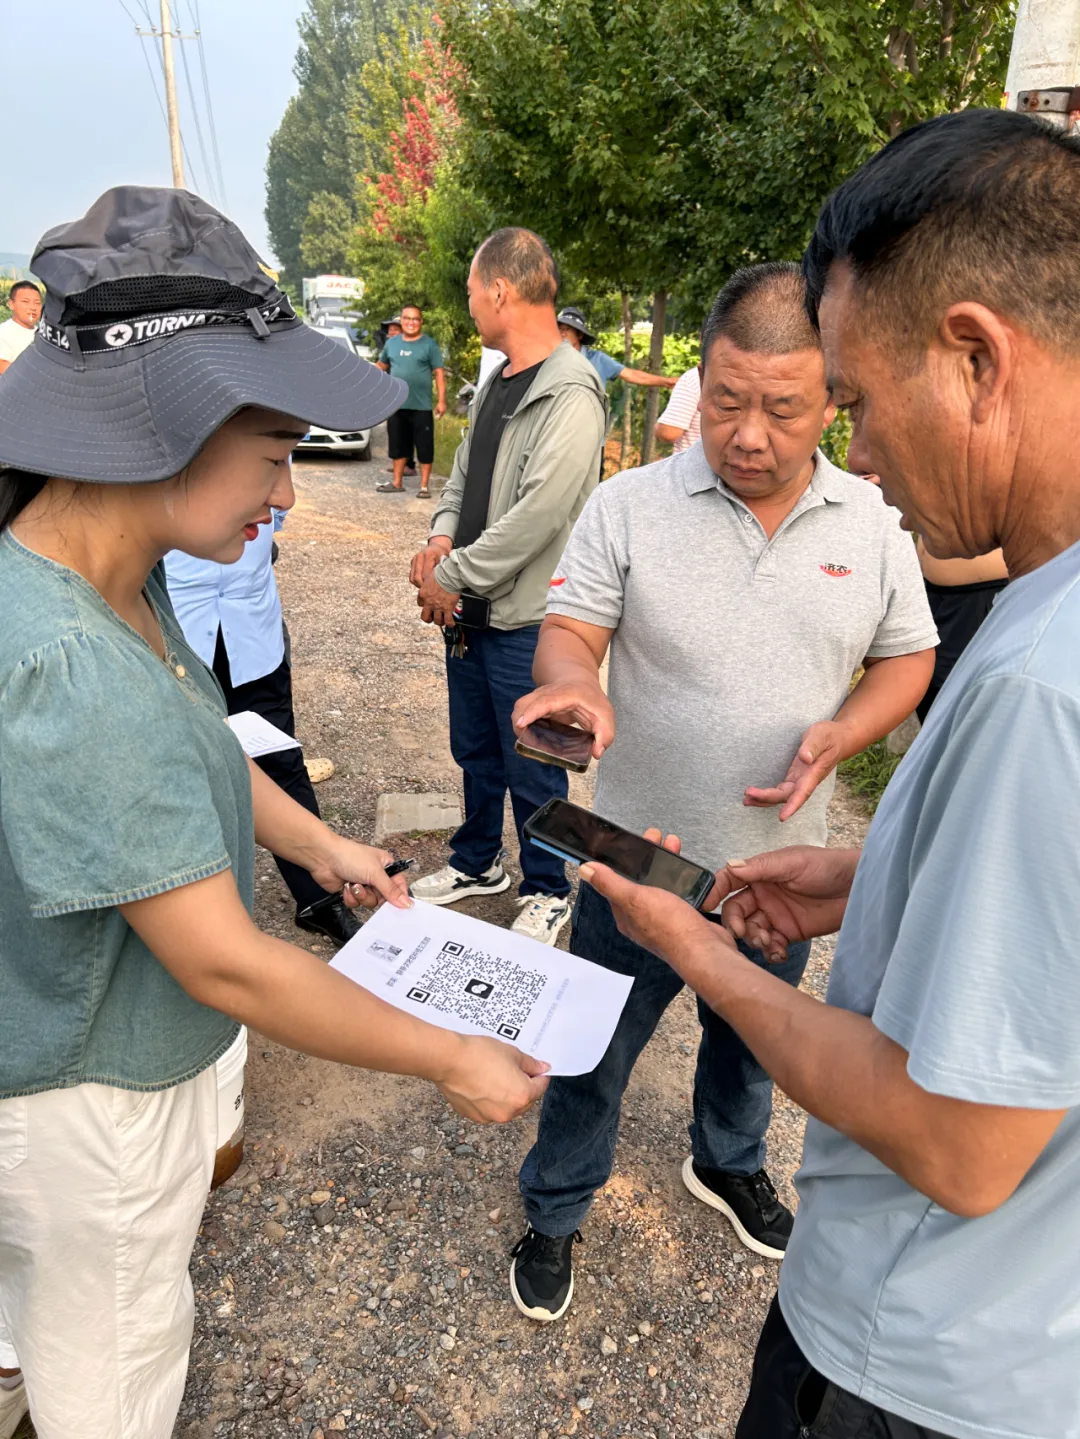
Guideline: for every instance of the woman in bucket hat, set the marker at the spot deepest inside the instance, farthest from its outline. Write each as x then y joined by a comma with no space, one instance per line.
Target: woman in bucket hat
156,410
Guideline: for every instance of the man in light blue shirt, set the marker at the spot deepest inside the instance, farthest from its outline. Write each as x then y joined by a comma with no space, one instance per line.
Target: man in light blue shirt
931,1286
575,331
231,617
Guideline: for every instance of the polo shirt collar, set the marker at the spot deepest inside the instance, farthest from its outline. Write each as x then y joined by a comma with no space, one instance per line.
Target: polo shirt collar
826,483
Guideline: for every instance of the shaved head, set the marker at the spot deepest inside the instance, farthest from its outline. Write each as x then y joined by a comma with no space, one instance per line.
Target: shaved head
762,311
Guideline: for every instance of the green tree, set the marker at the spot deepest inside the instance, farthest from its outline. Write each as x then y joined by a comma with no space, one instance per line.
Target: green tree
317,150
567,132
661,145
419,222
326,234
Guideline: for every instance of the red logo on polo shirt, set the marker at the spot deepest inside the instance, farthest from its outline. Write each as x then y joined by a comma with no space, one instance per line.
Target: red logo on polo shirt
836,571
560,581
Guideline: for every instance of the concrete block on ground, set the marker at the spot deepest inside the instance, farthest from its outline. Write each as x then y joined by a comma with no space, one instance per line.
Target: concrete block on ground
900,740
403,813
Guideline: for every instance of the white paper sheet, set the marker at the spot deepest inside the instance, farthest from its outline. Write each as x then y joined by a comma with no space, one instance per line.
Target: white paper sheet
258,735
476,978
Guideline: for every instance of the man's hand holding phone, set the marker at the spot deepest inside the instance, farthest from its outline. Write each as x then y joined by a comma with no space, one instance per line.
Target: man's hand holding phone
658,920
578,702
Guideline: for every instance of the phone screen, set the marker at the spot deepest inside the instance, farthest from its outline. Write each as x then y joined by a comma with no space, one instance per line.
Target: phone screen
558,743
577,832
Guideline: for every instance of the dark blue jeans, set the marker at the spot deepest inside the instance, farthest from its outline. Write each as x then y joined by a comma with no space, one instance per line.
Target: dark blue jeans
484,685
579,1123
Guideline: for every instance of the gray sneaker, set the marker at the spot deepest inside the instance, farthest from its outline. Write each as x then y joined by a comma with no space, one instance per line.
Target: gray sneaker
542,917
448,885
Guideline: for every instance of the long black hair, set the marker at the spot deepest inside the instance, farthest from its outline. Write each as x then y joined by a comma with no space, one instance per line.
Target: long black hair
17,489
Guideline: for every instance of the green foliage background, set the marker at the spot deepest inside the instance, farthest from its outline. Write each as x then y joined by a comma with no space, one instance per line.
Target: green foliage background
657,144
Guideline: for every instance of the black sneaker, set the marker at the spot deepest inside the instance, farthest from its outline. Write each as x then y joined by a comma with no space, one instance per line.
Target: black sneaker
330,917
542,1274
749,1201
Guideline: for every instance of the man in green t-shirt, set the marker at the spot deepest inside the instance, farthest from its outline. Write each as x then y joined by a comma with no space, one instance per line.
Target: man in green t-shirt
415,358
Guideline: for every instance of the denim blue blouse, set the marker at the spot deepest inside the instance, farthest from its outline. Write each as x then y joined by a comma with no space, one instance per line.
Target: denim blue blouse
119,779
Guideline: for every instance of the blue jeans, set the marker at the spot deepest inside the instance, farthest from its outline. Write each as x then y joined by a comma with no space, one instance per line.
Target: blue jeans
579,1123
484,685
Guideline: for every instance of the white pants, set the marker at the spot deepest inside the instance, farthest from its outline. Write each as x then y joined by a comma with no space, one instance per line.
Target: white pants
101,1195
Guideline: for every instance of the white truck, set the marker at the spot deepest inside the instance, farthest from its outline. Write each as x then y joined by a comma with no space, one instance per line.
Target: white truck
328,298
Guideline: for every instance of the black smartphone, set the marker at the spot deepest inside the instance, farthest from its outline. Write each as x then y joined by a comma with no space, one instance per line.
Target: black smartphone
472,612
579,835
552,742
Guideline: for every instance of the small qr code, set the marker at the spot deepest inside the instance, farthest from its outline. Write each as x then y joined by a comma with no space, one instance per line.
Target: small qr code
492,993
382,950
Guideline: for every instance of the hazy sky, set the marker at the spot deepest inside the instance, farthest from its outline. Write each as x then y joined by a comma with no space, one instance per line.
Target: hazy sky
85,117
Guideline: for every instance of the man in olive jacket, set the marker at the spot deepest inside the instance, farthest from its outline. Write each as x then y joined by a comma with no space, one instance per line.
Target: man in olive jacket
521,476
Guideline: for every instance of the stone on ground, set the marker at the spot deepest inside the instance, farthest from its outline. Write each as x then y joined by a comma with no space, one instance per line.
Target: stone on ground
408,813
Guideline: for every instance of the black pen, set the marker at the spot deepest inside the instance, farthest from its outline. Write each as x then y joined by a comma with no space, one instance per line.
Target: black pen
399,866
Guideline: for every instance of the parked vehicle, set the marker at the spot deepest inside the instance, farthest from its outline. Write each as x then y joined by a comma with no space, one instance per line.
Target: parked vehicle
329,297
355,444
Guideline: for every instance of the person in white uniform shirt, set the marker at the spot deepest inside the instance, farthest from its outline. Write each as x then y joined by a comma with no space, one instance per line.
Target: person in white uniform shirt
16,334
231,617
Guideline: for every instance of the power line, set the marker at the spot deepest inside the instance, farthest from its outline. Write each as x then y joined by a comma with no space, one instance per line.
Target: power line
195,118
194,5
155,35
149,67
158,51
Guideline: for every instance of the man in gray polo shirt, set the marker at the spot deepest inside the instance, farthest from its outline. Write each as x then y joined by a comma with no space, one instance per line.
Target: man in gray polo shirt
931,1286
739,586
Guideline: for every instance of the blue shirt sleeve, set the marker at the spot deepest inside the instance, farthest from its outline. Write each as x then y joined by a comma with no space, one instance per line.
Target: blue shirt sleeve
982,987
605,365
435,355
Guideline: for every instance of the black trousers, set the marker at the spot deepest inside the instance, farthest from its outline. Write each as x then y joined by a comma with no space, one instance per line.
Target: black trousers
789,1399
271,697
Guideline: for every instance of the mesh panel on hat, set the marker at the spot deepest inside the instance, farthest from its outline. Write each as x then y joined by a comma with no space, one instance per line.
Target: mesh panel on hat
145,294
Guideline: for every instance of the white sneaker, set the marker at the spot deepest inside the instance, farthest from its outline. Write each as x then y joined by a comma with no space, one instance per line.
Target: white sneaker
448,885
542,917
14,1407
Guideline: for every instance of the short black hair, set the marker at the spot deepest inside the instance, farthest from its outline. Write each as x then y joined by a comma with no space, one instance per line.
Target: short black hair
23,285
525,259
410,305
762,310
981,205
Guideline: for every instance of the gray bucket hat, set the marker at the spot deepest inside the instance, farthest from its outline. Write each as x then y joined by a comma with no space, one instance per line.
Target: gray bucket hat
160,322
573,317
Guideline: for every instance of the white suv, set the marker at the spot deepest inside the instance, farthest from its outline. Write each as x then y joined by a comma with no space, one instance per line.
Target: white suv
355,444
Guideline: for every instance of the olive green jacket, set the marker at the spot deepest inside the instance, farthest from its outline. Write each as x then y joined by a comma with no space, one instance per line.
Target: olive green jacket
547,467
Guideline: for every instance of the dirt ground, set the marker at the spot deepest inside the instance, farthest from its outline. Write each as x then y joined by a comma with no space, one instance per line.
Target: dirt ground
352,1278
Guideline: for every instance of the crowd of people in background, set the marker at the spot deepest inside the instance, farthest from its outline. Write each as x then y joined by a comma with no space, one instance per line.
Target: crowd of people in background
765,615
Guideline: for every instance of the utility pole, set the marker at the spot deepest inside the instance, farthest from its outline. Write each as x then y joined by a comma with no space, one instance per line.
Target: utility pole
1044,63
167,36
170,98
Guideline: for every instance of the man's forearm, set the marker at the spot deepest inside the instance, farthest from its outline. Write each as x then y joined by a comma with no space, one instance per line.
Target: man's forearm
887,693
563,657
645,377
842,1070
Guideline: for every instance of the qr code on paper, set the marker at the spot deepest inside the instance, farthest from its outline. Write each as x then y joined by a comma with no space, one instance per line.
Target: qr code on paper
492,993
382,950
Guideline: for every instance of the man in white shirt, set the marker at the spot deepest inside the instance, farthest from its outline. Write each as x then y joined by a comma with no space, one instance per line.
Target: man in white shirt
16,334
680,424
